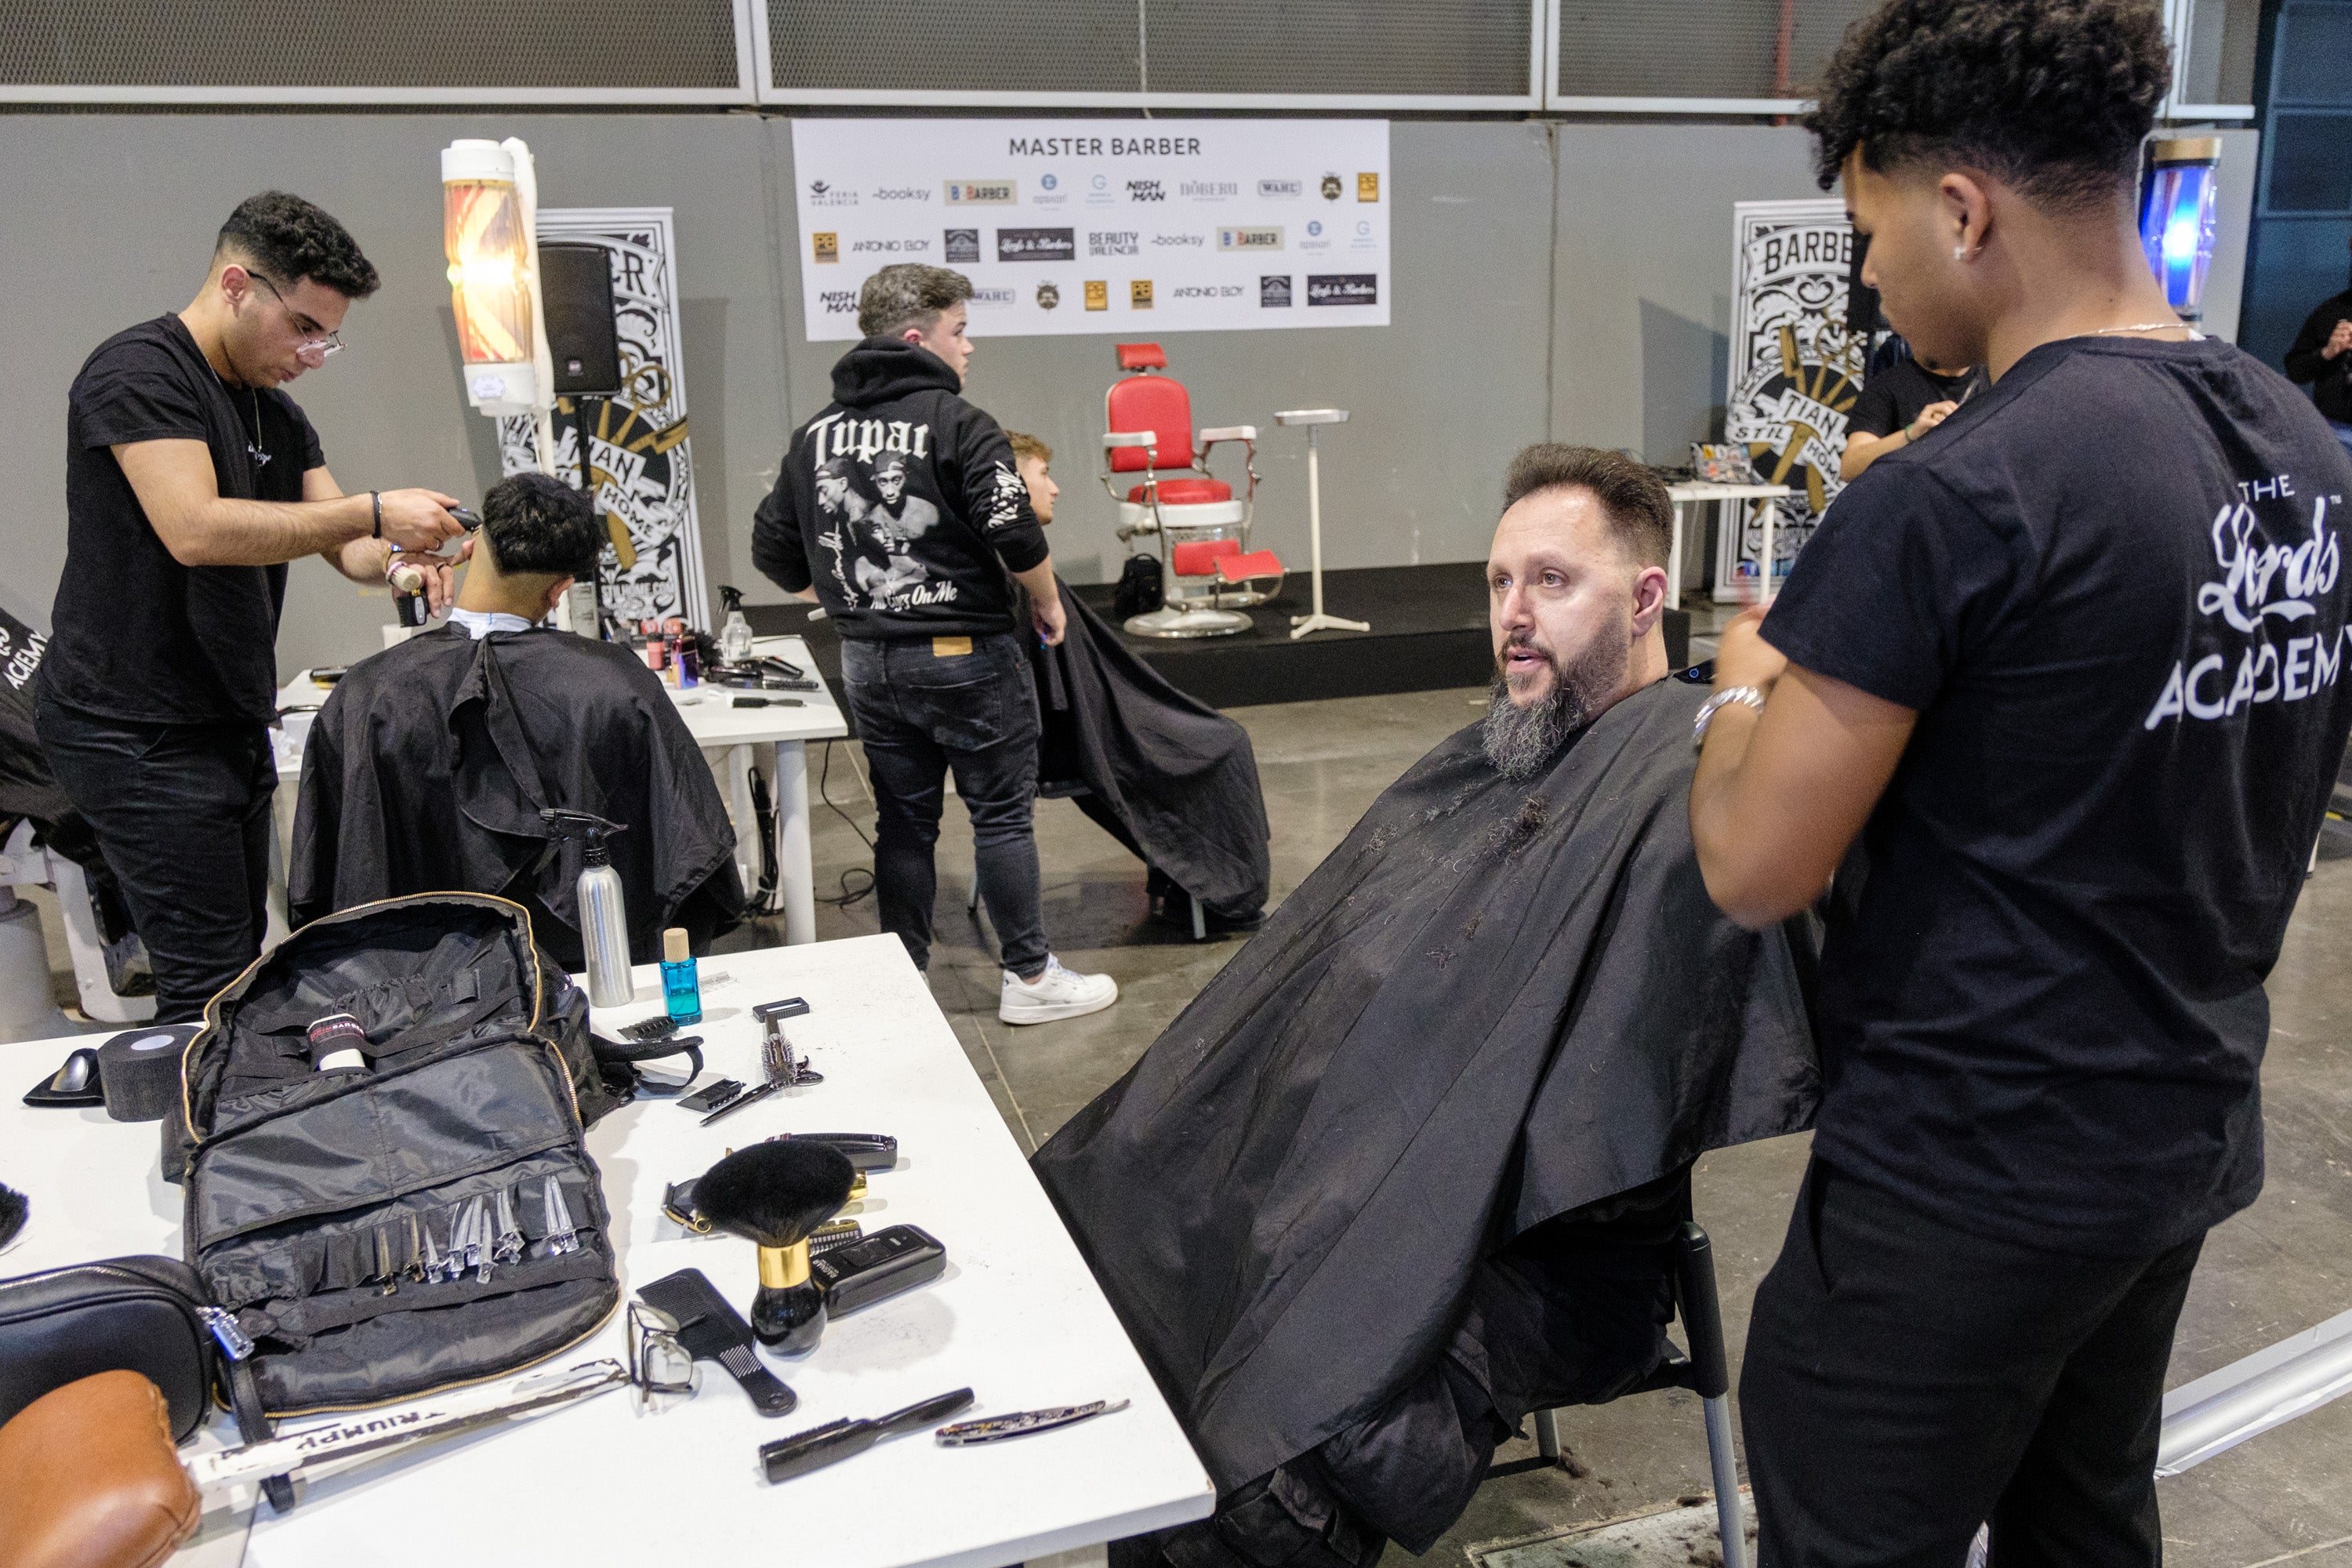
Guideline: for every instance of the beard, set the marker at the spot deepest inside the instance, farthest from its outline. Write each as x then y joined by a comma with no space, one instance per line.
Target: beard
1518,741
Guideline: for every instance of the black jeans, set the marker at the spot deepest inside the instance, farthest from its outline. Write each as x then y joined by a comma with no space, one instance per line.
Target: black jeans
922,712
182,814
1906,1381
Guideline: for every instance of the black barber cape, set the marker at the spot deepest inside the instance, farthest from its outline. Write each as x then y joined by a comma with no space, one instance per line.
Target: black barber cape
428,766
1493,1005
1169,776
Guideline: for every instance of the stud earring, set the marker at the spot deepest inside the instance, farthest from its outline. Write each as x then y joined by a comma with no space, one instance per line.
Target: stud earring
1960,253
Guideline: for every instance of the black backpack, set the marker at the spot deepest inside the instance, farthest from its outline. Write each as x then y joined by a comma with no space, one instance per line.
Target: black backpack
322,1206
1141,588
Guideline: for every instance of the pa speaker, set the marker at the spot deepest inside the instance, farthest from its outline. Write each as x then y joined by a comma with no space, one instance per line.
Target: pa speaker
1863,313
575,280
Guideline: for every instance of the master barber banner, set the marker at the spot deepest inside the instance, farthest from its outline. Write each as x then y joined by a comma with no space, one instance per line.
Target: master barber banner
638,462
1794,374
1139,227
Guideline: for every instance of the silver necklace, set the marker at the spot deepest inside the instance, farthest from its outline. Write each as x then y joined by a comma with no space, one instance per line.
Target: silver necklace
254,448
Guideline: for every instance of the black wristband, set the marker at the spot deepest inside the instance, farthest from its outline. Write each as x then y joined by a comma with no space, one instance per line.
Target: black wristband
375,499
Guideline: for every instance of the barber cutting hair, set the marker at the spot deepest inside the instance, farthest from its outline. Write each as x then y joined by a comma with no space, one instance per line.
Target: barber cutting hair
2073,672
191,481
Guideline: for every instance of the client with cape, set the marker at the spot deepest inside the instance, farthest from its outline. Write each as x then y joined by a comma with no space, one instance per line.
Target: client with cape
1409,1166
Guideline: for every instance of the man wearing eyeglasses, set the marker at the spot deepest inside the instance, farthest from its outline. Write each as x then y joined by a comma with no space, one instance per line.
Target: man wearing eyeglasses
191,481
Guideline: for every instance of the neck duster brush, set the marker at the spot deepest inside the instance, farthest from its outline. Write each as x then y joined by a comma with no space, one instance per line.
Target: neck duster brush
774,1194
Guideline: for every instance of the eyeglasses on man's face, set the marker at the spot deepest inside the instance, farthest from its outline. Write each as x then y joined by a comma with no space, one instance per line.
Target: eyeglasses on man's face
317,341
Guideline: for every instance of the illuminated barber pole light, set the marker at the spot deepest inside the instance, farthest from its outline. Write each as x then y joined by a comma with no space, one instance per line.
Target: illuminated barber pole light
2176,218
489,200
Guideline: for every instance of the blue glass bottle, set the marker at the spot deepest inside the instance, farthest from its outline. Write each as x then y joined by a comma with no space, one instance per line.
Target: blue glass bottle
680,985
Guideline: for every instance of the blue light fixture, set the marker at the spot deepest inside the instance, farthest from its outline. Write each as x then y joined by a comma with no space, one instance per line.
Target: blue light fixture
2176,217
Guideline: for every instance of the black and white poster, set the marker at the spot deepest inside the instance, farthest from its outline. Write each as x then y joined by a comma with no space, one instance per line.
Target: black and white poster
1794,374
640,462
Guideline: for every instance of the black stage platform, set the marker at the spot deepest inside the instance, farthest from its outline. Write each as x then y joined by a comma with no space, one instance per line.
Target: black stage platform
1429,633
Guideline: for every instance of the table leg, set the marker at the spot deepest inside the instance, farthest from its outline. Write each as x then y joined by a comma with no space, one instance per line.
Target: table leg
1764,589
1674,563
795,873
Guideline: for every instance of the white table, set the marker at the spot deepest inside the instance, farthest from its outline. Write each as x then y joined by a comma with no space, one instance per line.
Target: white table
774,740
1701,492
1017,1317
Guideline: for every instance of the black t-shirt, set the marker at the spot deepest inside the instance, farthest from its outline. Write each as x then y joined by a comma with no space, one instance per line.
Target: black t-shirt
135,635
2113,590
1893,398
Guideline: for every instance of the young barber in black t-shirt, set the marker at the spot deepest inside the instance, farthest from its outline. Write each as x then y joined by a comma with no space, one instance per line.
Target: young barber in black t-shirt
190,481
1899,404
2074,670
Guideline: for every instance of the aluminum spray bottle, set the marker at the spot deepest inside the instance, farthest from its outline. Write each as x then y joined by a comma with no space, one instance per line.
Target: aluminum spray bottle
603,918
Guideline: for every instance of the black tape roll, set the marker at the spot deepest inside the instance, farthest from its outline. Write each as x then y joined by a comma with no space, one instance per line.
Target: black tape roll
140,1070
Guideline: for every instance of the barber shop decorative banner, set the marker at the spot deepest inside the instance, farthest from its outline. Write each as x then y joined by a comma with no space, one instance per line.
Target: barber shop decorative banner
1794,374
1135,226
639,464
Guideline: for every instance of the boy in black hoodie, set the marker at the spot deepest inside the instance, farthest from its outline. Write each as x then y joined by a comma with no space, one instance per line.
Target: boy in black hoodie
901,510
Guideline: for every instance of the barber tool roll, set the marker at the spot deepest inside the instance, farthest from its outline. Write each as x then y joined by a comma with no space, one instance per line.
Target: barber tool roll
139,1071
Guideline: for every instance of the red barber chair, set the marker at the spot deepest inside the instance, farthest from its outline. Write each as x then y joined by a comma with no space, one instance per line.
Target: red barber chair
1207,570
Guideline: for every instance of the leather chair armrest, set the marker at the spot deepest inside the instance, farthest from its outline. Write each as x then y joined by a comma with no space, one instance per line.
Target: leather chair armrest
92,1481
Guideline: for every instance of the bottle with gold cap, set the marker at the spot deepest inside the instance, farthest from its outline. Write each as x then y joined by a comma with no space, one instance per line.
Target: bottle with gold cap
680,984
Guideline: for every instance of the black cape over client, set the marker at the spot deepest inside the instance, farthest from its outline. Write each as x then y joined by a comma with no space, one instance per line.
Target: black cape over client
1166,775
1319,1203
428,767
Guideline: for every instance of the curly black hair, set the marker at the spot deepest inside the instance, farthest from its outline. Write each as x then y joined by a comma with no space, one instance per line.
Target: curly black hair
538,525
2050,97
287,239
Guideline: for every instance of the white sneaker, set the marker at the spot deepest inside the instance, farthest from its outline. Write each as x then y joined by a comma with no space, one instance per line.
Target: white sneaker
1058,992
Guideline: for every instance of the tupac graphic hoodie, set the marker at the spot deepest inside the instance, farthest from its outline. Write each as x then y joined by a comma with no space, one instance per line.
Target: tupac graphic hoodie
900,503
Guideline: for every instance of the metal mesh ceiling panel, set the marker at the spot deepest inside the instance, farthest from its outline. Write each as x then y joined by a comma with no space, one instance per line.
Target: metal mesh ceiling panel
1697,48
1452,47
952,46
489,44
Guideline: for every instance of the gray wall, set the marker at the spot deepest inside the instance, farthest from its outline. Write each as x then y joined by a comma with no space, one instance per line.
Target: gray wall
1565,280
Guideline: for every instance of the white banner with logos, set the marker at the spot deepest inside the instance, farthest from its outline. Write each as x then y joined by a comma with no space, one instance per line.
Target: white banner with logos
1102,225
1794,373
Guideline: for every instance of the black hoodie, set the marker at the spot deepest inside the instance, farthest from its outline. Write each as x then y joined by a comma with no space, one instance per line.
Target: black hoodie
898,502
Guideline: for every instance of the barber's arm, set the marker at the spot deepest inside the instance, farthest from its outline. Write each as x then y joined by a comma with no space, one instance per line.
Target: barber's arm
1862,449
996,498
2325,339
201,527
367,560
1779,794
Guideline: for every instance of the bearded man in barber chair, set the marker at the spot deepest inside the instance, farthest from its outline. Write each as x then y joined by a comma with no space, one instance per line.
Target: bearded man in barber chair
1411,1166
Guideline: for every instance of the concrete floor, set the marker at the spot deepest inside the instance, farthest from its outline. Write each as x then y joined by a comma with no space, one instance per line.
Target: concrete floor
2281,1266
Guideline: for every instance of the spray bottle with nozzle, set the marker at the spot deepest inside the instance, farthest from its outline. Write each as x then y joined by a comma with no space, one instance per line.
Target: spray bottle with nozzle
603,918
735,636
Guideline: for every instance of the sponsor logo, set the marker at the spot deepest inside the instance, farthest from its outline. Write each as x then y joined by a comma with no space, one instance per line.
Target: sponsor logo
996,295
1343,288
909,246
982,192
1097,294
826,246
1259,237
1049,296
1282,189
903,193
1274,292
1368,187
1111,242
839,301
1146,190
1164,240
1207,292
1209,190
1138,294
1100,182
1331,187
962,244
1047,181
1036,245
824,194
1314,226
